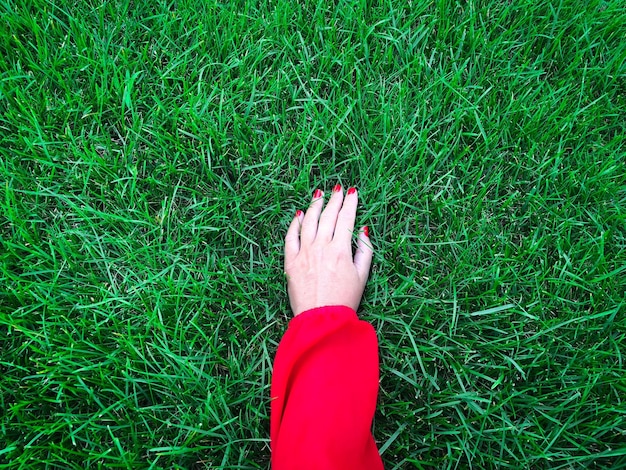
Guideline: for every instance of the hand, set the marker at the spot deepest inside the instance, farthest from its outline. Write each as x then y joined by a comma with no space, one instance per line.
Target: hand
318,254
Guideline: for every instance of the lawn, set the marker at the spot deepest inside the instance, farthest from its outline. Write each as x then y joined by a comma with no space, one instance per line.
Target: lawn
152,155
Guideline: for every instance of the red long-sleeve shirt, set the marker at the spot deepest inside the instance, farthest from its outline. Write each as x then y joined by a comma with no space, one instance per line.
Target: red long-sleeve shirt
324,389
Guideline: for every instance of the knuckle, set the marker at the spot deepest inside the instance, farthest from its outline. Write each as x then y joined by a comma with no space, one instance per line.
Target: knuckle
338,255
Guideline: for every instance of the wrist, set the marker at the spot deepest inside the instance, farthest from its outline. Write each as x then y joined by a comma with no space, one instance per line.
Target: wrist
326,311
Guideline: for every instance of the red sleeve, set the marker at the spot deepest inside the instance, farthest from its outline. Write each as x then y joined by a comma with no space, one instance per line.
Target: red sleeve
324,389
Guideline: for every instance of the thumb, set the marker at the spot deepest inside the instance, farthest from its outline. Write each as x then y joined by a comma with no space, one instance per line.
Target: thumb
292,239
364,254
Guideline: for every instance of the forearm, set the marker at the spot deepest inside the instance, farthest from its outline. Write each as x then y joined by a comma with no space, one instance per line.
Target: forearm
324,391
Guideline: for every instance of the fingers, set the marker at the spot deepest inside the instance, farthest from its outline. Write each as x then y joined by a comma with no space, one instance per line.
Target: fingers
328,219
311,218
345,220
364,254
292,239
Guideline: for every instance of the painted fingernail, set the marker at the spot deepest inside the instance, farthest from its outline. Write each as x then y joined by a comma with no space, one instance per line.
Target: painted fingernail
317,194
366,231
337,188
298,213
351,190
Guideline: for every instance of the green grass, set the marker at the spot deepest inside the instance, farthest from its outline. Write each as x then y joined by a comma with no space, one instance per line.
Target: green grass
153,154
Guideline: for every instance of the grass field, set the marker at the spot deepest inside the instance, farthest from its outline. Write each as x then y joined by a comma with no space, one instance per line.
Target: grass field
153,154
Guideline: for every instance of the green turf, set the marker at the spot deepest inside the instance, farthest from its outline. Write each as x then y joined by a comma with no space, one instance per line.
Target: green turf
154,153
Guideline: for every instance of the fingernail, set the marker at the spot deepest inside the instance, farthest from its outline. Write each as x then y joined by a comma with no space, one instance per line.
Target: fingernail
317,194
298,213
351,190
337,188
366,231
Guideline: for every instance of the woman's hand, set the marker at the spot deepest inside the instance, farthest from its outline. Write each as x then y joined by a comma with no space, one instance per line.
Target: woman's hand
318,254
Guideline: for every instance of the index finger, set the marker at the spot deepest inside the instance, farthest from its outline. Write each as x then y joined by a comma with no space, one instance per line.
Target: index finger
346,218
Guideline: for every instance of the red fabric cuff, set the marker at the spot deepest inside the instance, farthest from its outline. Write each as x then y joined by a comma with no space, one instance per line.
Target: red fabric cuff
333,311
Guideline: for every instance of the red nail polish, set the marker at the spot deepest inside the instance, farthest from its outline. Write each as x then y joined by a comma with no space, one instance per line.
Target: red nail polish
317,194
366,231
337,188
298,213
351,190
